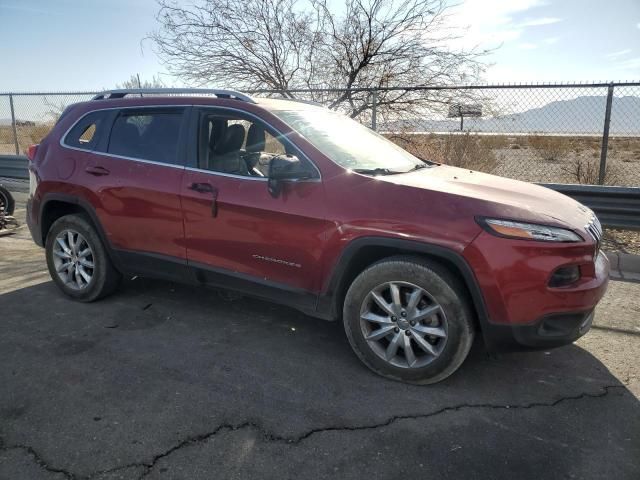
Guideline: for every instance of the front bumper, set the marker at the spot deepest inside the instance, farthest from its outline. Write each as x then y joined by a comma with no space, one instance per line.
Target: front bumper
551,331
522,310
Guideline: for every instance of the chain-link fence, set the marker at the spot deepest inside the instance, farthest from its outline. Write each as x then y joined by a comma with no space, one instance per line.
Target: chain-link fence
25,118
577,133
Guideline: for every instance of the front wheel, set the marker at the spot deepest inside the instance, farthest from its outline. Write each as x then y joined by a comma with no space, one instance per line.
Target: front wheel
77,260
408,319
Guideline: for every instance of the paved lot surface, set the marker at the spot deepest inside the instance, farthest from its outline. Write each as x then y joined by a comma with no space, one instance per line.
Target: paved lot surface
163,381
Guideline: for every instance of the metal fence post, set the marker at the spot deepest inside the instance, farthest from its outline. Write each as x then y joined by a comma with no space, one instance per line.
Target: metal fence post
13,125
605,136
374,110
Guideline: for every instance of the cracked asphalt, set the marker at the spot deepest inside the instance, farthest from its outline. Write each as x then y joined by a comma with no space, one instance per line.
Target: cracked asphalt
163,381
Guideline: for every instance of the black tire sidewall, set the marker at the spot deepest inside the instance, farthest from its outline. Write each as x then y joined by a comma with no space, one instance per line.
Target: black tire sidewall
9,201
438,284
99,282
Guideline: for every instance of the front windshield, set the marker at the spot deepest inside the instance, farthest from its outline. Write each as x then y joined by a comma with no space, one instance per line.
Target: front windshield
347,142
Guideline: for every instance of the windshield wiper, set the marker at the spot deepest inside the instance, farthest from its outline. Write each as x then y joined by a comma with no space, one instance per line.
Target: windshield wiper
376,171
419,166
386,171
428,163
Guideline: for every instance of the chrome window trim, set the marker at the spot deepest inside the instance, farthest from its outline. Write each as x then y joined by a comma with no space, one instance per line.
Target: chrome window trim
223,174
244,112
248,177
140,160
63,138
194,169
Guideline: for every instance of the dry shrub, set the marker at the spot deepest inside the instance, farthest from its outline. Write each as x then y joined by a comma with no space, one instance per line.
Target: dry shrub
419,145
621,143
27,135
6,135
495,142
32,134
550,148
595,143
586,171
466,150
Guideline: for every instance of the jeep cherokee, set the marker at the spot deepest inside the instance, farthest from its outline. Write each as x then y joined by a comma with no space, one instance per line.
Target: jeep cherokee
301,205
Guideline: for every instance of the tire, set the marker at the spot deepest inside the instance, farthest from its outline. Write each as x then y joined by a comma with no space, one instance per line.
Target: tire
103,277
442,318
7,203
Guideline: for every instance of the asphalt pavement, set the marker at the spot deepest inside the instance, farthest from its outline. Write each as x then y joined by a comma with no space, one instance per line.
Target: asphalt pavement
173,382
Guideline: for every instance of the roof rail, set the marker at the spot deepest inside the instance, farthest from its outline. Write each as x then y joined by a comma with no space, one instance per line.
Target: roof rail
121,93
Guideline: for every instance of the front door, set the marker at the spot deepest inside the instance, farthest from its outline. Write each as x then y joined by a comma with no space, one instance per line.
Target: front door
232,224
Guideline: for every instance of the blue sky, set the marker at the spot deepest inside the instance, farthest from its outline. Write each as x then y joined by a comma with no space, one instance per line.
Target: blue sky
63,45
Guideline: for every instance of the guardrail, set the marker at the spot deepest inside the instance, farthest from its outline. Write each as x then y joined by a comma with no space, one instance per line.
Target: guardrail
616,207
14,166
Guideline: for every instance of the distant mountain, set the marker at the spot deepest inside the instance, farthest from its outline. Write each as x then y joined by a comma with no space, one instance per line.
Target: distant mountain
4,122
581,115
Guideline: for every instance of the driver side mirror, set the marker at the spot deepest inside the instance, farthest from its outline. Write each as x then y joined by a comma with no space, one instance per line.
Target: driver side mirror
282,168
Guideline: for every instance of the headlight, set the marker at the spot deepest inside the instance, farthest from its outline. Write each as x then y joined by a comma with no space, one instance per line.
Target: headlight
528,231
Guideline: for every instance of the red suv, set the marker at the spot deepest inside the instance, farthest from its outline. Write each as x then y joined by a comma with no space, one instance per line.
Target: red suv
298,204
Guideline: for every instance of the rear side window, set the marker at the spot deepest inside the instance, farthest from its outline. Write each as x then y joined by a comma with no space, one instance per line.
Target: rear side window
85,134
147,135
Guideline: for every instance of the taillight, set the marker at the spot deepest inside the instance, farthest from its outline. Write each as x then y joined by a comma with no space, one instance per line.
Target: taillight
31,151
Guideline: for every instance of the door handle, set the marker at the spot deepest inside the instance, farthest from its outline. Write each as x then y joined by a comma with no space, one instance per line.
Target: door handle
202,187
98,171
207,188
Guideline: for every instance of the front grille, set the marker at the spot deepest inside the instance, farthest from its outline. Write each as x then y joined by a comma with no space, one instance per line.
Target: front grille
594,228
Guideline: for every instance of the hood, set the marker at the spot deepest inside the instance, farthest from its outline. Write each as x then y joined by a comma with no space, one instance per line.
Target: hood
499,196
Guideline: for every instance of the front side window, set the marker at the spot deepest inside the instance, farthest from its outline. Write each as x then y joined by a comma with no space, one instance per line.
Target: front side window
347,142
147,135
228,143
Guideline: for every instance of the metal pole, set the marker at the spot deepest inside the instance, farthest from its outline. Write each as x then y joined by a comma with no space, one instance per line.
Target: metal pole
139,84
374,111
461,121
605,136
13,125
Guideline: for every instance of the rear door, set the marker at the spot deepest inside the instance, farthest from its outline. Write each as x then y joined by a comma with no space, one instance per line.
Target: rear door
232,224
136,181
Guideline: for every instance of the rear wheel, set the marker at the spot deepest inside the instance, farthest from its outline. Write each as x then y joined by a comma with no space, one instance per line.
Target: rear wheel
408,319
77,260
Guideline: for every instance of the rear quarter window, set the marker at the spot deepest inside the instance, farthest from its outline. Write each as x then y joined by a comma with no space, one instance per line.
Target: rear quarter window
87,131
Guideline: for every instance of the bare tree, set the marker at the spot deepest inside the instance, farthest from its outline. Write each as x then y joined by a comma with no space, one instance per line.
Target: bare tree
135,82
54,108
292,44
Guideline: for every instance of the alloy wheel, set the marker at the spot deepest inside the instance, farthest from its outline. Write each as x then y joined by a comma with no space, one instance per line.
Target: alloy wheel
73,259
403,324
